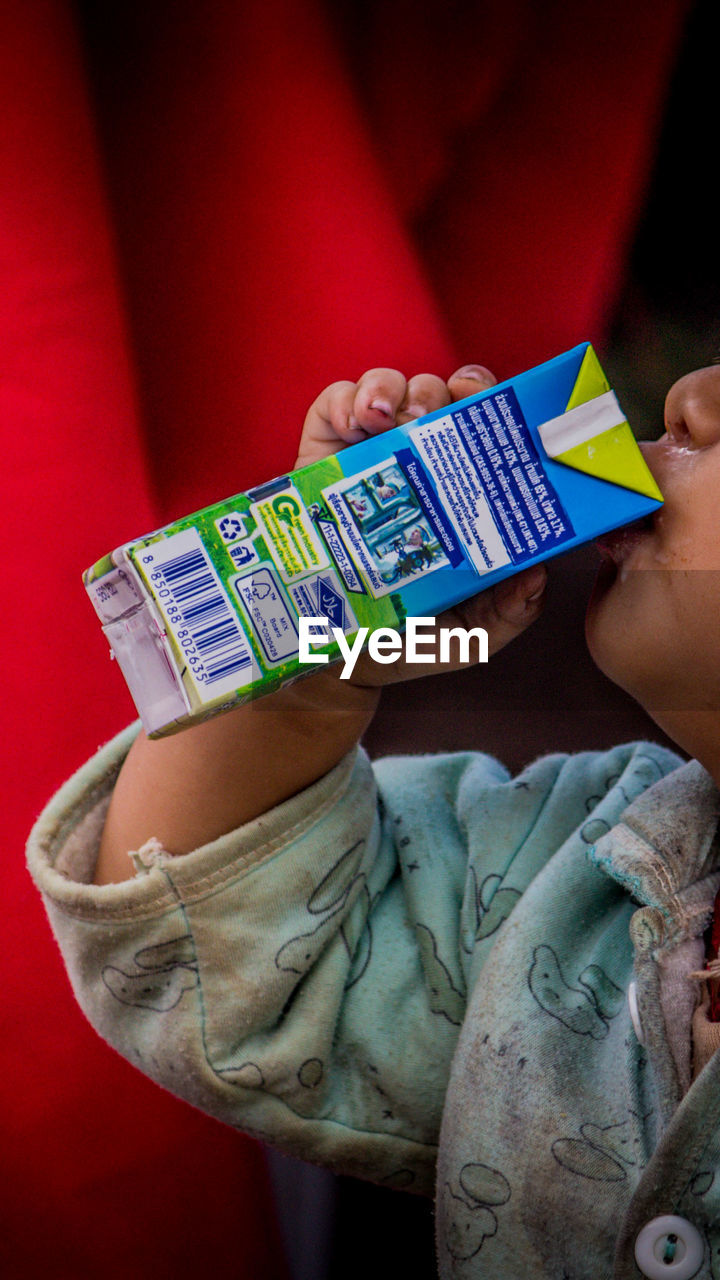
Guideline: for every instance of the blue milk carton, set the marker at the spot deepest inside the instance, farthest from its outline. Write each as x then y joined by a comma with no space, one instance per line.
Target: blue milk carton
236,600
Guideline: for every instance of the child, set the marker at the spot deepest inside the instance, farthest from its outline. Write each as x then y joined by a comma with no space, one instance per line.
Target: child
430,973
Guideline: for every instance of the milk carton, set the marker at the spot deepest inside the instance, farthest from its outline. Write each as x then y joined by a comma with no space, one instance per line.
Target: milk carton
236,600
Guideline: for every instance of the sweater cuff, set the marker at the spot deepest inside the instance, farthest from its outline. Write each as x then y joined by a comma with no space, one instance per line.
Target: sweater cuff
64,843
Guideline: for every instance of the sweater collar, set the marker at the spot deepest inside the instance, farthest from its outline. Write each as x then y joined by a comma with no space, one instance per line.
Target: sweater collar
666,846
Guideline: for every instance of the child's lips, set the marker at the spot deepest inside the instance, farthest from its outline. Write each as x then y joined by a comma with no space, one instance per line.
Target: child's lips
619,544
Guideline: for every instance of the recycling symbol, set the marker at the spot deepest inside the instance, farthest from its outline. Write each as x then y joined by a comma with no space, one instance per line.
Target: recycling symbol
231,527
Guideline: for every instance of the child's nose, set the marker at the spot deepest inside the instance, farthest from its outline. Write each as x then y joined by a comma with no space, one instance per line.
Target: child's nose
692,406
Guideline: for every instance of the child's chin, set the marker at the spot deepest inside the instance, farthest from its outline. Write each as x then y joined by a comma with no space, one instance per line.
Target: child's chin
600,624
605,579
616,633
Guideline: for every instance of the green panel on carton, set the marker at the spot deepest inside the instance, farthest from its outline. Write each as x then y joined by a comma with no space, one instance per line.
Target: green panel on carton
613,455
590,382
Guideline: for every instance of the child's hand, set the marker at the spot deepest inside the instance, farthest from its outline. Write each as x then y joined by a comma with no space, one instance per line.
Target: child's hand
346,413
188,789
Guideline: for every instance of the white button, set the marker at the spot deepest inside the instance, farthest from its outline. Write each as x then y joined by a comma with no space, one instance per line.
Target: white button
635,1012
669,1248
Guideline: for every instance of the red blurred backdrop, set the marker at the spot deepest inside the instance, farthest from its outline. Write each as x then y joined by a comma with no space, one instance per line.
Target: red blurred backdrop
207,212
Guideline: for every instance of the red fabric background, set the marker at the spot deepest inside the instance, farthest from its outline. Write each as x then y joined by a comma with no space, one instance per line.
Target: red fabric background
253,200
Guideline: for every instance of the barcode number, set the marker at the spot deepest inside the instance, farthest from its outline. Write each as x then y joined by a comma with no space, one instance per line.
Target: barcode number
202,620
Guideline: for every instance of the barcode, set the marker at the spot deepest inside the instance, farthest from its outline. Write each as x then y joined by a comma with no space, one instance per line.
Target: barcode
206,614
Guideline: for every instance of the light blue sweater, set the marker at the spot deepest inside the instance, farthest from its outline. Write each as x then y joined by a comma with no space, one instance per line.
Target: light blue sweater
418,974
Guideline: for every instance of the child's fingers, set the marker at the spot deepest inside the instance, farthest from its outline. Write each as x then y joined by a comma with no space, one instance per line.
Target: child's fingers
504,612
385,399
347,412
507,609
380,394
469,380
339,412
425,392
330,424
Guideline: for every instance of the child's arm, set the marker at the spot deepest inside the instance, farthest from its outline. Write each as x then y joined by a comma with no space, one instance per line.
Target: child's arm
189,789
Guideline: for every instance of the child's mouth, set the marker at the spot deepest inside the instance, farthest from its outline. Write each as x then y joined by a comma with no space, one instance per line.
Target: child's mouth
618,544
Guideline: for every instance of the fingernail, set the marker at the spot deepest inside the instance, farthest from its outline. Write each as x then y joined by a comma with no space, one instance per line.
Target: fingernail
475,373
415,410
535,584
382,406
